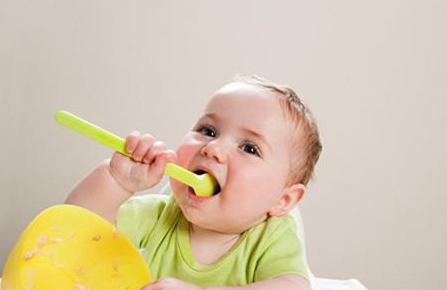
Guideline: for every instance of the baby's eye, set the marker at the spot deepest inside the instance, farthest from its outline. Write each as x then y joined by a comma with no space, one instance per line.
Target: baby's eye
207,131
251,149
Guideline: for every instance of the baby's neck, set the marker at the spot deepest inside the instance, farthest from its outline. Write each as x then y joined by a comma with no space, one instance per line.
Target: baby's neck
209,246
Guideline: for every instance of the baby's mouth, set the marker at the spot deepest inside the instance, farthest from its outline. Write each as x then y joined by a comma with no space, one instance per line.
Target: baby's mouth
217,189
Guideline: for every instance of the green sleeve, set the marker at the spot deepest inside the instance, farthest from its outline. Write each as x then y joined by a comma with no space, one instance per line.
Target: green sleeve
282,254
138,217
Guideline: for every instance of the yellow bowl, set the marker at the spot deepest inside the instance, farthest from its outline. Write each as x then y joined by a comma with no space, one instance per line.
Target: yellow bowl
68,247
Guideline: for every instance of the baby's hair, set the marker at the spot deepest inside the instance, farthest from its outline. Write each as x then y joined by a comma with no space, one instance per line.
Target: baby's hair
306,144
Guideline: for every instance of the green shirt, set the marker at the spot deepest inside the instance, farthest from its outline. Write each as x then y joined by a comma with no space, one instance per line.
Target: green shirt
157,227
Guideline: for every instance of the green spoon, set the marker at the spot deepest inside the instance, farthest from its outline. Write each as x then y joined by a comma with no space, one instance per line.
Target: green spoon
203,185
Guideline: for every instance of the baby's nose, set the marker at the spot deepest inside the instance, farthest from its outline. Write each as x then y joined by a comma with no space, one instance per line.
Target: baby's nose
215,150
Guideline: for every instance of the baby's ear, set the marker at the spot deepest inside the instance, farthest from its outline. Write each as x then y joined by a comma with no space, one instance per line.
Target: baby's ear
290,197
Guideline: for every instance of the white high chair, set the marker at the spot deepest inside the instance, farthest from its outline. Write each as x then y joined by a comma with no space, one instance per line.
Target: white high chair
321,283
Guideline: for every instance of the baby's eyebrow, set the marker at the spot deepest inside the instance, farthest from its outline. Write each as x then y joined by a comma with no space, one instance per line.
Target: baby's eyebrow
211,116
207,116
257,135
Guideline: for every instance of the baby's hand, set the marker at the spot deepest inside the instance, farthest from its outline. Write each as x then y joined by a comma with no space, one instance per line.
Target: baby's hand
170,284
146,167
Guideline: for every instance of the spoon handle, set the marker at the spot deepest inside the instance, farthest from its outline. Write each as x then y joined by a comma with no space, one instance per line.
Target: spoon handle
91,131
181,174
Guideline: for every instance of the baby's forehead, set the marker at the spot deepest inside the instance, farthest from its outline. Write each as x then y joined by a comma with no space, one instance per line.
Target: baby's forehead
239,98
249,106
243,88
243,94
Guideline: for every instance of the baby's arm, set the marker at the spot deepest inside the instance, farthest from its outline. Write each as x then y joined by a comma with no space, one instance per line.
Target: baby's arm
113,182
284,282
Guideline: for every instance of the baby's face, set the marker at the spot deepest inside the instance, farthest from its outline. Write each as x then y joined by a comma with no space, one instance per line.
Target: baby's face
243,140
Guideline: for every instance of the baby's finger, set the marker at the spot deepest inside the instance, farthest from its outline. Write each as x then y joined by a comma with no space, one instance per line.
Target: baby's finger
132,141
157,169
169,155
145,144
156,147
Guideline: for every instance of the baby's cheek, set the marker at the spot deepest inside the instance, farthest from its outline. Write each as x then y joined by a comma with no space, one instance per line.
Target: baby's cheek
175,186
182,157
263,187
185,153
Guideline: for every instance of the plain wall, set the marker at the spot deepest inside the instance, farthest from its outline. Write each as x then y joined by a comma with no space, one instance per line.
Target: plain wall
374,74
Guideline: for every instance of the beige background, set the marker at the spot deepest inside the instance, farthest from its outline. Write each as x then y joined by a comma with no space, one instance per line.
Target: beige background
373,72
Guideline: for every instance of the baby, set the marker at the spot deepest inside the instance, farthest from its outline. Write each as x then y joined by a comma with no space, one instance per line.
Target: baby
261,144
